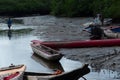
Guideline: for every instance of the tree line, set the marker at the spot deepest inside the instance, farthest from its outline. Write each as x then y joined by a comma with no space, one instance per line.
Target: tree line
68,8
24,7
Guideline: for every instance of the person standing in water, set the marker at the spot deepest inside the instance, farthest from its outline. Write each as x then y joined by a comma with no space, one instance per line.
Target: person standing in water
99,20
102,19
9,23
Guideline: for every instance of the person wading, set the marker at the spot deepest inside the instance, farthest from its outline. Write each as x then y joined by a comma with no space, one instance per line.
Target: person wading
9,23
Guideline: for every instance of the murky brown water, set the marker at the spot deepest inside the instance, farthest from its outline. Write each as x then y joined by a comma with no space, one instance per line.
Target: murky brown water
17,49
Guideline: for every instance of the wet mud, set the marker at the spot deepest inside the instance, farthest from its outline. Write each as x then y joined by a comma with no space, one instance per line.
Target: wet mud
52,28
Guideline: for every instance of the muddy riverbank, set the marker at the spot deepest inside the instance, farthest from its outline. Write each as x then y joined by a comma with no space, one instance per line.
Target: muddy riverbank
104,61
57,29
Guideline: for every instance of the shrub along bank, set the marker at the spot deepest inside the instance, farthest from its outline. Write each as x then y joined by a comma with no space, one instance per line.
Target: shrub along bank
68,8
23,7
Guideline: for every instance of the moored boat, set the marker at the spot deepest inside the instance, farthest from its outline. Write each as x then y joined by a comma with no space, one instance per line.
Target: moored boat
72,75
80,43
106,22
88,24
13,72
111,34
46,52
113,28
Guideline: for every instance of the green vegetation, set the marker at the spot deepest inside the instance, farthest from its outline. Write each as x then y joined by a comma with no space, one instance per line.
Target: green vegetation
69,8
22,7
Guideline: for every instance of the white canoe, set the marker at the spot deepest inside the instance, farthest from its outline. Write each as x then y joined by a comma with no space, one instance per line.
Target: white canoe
111,34
13,72
46,52
87,24
106,22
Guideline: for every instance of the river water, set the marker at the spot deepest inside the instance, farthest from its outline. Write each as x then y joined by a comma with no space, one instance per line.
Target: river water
15,49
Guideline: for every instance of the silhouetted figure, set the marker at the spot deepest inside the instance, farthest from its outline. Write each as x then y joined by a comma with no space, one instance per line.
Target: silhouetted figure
9,23
9,34
101,19
96,32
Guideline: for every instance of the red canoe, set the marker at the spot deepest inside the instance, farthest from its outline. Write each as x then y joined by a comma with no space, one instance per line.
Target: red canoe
80,43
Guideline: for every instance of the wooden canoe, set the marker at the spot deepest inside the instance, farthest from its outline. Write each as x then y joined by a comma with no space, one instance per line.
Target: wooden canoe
80,43
46,52
106,22
13,72
88,23
72,75
111,34
113,28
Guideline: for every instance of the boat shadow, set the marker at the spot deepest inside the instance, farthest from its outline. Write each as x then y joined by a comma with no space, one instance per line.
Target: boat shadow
53,65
